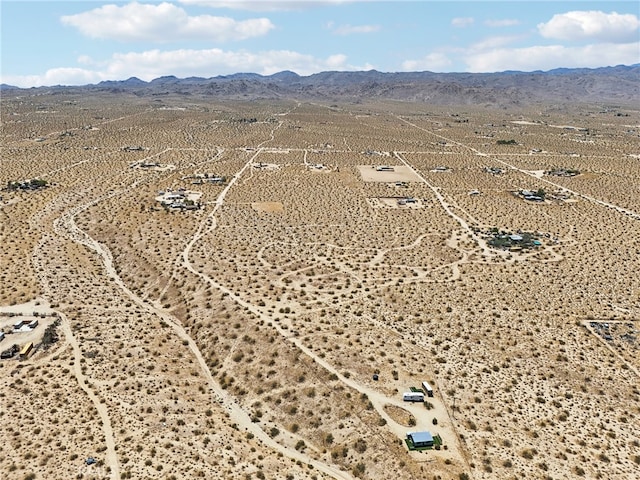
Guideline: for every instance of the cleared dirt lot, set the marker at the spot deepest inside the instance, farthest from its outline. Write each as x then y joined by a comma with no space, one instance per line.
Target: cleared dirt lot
240,340
389,174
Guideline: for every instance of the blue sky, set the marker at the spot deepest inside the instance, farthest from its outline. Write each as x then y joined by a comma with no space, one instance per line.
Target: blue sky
80,42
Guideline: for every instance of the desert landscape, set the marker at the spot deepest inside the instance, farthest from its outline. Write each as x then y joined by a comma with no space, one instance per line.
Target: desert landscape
247,289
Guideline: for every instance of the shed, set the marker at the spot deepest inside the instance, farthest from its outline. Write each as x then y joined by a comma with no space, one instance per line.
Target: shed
421,439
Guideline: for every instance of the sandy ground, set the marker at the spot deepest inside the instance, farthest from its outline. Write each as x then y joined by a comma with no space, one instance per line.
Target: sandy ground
240,340
400,173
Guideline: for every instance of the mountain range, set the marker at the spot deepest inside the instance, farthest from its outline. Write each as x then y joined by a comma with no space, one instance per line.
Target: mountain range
619,84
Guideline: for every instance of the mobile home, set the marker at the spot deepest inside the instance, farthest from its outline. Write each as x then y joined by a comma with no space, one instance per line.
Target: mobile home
413,397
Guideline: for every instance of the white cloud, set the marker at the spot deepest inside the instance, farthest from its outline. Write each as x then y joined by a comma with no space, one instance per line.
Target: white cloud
553,56
85,60
161,23
434,62
266,5
462,22
493,42
185,63
353,29
54,76
592,25
507,22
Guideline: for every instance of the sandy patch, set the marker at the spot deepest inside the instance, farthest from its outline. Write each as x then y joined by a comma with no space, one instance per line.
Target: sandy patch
266,166
269,207
152,166
536,173
396,202
569,127
37,305
524,122
169,196
400,173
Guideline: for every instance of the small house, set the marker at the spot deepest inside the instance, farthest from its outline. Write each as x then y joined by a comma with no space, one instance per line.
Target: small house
420,439
33,323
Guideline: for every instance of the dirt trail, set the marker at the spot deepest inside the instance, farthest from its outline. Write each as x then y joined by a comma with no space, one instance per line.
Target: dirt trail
482,243
377,399
236,413
111,457
66,226
532,173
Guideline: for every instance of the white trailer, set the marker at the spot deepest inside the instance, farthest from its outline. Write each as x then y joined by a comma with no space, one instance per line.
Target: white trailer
413,397
427,389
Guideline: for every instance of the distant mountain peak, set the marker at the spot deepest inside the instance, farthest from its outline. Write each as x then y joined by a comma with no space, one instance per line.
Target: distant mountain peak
619,83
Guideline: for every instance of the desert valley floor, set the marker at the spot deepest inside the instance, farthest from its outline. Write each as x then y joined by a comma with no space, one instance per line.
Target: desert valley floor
245,290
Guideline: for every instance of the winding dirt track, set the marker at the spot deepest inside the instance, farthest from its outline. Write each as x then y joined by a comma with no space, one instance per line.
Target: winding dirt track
111,456
66,226
378,400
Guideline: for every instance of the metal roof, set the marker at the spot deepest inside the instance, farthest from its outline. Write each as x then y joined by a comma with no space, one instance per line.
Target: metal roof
421,437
